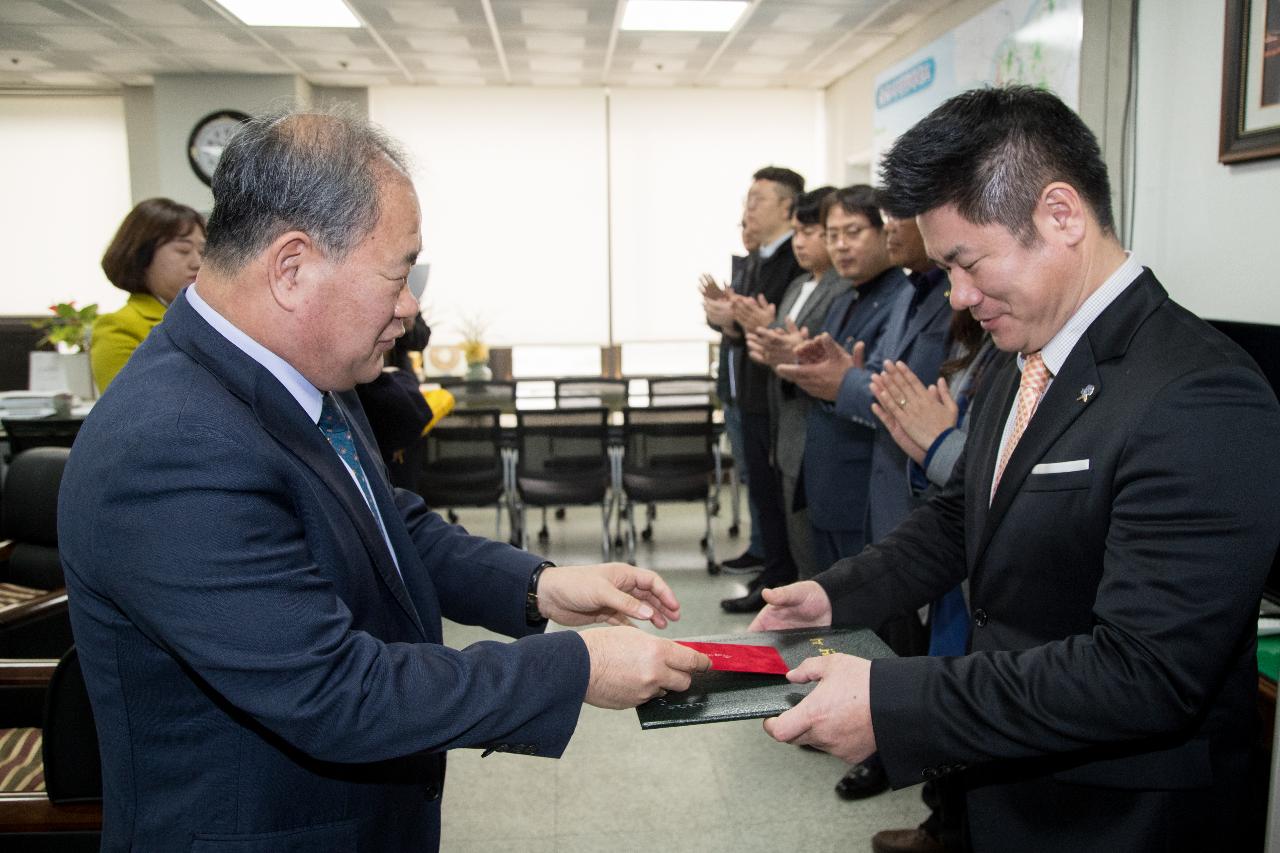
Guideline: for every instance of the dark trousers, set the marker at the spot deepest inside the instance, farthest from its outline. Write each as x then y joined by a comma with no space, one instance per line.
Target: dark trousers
765,488
832,545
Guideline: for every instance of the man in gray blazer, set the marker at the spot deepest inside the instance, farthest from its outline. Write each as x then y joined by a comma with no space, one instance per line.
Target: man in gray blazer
1113,512
803,308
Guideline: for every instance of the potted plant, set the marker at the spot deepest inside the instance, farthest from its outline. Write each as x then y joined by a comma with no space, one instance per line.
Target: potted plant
67,368
474,349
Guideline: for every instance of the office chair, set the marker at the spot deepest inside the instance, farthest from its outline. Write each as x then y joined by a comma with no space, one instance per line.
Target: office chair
33,598
463,465
670,455
67,814
562,459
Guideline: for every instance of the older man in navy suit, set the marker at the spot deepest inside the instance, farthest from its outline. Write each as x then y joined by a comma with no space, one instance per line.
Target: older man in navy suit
1113,512
258,612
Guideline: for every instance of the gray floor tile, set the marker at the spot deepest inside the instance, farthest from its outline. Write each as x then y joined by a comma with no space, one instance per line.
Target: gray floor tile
724,787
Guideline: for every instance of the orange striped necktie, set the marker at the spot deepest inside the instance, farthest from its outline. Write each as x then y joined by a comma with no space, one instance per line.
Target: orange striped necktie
1035,378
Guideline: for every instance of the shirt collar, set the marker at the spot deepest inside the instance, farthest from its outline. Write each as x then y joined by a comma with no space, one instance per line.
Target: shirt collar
1060,345
307,395
766,252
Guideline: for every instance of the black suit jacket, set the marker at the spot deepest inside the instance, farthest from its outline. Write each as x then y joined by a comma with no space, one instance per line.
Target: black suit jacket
1108,700
771,278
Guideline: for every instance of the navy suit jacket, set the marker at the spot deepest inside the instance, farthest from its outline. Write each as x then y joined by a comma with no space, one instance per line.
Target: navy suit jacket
837,451
261,676
921,342
1108,703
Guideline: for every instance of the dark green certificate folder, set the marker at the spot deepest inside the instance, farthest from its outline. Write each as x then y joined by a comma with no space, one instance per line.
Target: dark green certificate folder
716,697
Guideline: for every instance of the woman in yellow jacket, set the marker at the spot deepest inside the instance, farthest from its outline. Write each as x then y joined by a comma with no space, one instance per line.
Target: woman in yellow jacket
155,253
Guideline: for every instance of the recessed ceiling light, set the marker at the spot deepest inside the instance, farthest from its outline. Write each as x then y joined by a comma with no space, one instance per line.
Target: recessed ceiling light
706,16
292,13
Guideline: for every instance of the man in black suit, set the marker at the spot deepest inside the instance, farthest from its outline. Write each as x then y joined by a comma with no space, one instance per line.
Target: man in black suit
1113,513
771,201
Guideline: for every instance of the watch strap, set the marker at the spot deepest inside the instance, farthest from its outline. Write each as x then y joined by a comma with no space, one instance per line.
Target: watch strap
533,616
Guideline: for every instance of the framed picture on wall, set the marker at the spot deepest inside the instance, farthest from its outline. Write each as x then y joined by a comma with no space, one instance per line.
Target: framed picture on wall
1251,82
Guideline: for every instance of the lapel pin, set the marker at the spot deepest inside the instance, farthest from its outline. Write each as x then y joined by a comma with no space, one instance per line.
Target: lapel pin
1085,393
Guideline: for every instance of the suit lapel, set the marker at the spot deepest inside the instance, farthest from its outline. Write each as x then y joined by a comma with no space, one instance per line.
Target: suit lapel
293,429
934,304
1107,338
281,416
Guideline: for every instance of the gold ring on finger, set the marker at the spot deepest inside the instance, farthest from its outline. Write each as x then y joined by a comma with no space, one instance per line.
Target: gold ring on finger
902,404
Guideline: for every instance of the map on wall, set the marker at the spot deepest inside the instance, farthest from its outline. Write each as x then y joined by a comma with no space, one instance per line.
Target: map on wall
1036,42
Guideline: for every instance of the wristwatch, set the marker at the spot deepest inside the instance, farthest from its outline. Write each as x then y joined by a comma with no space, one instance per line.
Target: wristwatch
532,615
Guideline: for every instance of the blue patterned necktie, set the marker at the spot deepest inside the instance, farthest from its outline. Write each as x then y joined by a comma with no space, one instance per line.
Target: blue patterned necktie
334,426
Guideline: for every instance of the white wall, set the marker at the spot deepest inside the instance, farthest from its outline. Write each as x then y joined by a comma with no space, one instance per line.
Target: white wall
1207,230
682,162
512,187
65,183
516,203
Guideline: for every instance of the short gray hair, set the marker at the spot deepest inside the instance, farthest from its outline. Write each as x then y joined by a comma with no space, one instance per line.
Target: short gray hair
315,172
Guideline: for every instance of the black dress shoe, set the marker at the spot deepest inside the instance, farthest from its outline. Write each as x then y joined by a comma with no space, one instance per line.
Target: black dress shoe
906,841
861,782
743,563
749,603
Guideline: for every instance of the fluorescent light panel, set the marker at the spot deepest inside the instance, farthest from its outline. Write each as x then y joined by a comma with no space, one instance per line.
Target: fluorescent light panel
292,13
703,16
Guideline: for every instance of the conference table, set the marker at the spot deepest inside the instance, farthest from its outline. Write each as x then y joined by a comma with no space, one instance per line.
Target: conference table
539,396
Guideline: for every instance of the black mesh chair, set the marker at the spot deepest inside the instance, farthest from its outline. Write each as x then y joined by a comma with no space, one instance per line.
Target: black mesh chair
33,599
40,432
670,455
695,390
562,460
67,815
462,463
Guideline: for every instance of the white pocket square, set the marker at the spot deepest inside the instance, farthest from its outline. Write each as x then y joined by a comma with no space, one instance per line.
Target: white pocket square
1061,467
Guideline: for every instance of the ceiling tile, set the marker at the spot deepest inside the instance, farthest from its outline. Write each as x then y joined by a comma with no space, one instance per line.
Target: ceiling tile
555,44
451,63
555,64
552,16
758,65
424,17
807,22
658,66
458,80
439,44
781,46
80,39
669,44
327,41
35,13
161,14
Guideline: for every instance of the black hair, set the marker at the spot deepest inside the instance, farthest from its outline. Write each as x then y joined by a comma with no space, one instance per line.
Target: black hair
990,152
790,184
808,210
857,198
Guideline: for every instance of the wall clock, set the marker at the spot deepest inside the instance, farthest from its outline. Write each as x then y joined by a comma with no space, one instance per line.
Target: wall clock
209,136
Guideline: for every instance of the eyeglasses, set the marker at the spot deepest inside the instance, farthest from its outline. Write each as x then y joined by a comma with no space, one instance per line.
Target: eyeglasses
849,233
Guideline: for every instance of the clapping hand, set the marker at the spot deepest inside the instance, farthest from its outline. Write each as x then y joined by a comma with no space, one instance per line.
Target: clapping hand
915,415
823,364
772,346
753,312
